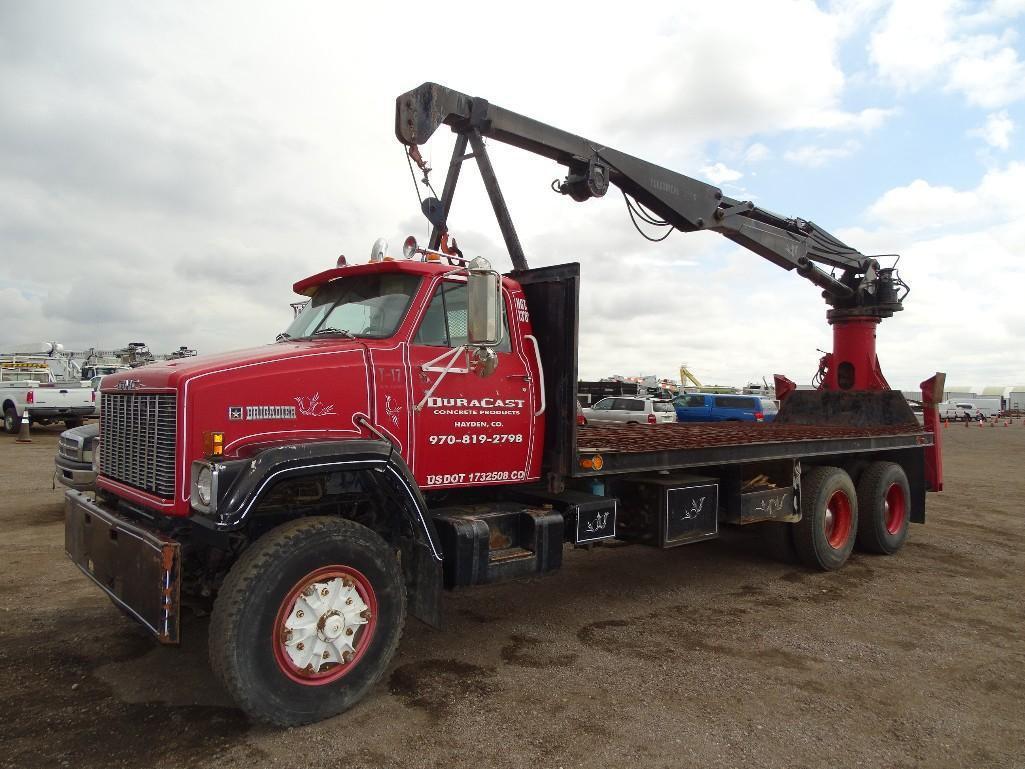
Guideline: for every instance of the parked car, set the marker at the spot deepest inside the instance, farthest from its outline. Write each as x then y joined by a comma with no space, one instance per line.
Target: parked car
630,411
704,407
770,408
74,460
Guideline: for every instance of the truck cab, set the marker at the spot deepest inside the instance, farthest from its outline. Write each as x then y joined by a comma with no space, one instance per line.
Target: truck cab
379,351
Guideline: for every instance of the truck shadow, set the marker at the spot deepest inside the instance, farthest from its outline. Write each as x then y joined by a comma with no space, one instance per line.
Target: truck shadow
77,667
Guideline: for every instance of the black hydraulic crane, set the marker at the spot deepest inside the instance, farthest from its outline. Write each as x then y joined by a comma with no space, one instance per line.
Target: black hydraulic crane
859,297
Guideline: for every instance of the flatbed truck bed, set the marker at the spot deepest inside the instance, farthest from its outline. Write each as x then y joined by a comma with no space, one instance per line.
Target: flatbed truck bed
637,448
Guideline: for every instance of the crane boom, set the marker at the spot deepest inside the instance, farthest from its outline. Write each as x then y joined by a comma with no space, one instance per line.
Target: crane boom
687,204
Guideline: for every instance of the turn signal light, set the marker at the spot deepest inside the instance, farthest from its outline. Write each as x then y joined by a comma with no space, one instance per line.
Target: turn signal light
594,463
213,444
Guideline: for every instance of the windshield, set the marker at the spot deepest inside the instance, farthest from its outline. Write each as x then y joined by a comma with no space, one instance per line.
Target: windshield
365,306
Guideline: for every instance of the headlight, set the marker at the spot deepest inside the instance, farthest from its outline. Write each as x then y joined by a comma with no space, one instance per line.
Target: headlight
205,485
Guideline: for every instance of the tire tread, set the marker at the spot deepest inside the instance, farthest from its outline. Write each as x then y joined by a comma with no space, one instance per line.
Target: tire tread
244,577
869,538
805,530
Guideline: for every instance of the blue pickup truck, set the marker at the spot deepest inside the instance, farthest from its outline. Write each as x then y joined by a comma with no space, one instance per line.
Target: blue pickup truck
702,407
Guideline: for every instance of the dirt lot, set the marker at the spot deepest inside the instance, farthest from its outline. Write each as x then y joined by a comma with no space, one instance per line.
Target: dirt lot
708,656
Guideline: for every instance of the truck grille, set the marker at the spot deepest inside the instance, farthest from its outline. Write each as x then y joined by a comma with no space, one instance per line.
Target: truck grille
137,433
69,447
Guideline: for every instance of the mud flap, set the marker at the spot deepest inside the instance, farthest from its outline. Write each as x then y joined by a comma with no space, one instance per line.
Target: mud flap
139,569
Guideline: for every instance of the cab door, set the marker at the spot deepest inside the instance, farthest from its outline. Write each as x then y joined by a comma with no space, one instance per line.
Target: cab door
470,430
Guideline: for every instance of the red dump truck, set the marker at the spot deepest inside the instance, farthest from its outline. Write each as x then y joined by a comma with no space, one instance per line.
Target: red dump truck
414,430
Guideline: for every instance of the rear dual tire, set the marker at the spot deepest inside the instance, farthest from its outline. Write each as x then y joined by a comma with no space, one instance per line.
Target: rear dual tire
825,535
884,502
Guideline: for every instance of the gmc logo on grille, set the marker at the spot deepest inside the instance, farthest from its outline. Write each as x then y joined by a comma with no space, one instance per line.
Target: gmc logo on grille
129,384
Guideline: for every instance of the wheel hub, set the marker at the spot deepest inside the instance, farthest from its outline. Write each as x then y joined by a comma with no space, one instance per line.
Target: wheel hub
837,520
894,508
323,626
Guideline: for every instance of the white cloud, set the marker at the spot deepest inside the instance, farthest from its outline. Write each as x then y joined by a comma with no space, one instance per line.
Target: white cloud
990,79
756,153
921,206
717,173
778,70
997,130
909,46
913,47
961,254
814,156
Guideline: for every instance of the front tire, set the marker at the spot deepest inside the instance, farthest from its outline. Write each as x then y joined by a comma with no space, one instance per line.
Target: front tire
884,505
307,620
824,537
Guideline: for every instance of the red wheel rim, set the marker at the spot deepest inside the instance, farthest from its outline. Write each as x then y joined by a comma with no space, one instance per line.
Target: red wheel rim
836,523
895,508
324,625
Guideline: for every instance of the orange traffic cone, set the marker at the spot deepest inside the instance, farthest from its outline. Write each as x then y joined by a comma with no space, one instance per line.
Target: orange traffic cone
967,423
23,433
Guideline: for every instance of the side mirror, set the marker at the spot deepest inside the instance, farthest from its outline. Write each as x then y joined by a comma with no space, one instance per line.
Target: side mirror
484,299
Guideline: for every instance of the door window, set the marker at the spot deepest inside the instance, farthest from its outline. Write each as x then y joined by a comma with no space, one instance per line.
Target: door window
444,323
603,405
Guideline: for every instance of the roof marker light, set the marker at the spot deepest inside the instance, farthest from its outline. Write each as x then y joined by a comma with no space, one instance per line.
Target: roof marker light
378,250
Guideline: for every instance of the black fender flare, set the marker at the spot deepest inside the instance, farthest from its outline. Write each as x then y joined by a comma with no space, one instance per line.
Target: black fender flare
242,482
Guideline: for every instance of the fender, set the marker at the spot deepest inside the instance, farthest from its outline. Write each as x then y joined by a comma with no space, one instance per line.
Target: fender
242,482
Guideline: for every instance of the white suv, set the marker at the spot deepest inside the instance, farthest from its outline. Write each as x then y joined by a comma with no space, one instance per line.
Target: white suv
630,411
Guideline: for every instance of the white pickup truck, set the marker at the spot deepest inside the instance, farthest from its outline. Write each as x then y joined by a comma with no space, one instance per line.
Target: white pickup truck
28,386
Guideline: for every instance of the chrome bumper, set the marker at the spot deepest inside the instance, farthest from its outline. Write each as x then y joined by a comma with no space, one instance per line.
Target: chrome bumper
75,475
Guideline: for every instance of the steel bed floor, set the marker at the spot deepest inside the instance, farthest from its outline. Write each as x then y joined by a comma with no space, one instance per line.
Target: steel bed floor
643,447
682,436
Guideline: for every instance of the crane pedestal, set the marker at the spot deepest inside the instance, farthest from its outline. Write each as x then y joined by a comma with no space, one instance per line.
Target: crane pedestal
853,364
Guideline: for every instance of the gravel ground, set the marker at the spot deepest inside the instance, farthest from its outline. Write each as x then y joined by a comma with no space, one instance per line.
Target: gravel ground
705,656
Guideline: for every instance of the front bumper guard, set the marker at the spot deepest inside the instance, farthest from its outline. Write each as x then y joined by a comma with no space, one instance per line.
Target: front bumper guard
139,569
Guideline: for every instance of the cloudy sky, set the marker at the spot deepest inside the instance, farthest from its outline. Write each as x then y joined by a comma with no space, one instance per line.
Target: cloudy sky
168,170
